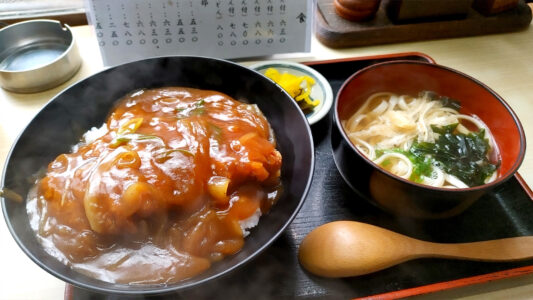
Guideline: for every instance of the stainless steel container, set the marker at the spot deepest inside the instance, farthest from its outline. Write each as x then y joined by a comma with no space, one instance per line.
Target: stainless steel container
37,55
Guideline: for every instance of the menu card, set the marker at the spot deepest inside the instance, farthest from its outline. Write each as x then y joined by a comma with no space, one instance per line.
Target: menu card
129,30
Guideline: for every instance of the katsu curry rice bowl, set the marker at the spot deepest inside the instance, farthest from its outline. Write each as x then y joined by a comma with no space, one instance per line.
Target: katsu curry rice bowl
157,175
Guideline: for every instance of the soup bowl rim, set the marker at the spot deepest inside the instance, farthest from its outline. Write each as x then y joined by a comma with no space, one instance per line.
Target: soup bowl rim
500,179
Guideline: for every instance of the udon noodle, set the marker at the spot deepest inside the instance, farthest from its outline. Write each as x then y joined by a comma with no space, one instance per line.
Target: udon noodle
387,127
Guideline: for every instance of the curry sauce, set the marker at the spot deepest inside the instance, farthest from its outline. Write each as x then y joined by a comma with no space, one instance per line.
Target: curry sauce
163,192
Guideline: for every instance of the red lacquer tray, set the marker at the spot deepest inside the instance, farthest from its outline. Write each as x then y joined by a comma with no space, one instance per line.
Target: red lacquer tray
276,273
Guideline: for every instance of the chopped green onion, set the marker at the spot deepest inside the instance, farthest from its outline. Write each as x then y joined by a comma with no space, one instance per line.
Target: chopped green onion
126,138
165,155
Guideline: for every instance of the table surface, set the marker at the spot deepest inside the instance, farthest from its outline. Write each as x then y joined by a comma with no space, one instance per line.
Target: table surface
500,61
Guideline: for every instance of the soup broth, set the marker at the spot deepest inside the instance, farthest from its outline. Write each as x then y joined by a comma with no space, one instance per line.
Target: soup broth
424,139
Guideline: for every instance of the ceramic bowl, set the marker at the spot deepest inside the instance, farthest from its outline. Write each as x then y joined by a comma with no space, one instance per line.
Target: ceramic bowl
404,197
61,123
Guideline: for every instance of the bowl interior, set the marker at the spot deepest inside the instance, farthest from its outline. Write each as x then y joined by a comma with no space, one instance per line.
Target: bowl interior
410,78
63,120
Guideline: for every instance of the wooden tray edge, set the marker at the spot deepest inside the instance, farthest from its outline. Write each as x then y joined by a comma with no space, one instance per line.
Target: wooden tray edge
372,57
524,185
447,285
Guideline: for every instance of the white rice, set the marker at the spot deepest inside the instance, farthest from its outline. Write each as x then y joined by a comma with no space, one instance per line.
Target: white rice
250,222
95,133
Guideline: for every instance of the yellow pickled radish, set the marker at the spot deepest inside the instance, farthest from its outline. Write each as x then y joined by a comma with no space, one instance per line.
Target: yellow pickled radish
298,87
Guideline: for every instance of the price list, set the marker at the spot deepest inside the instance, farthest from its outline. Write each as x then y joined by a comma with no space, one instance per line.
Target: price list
129,30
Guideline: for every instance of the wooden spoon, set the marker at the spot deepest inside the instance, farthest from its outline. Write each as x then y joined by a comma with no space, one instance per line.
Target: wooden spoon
347,248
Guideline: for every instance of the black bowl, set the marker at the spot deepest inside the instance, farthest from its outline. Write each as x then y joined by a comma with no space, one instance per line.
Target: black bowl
403,197
61,123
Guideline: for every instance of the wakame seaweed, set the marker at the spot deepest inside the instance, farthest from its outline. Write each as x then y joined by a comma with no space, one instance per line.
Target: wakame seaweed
446,101
422,164
462,155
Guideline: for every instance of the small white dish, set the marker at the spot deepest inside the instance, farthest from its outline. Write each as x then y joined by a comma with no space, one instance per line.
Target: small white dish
321,89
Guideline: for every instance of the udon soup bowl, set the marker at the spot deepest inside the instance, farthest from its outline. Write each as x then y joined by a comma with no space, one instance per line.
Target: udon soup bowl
61,123
403,197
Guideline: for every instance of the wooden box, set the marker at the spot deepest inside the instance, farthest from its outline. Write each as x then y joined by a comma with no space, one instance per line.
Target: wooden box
424,10
490,7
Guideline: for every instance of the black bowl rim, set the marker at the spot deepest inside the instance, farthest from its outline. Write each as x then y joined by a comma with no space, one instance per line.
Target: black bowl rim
156,289
508,109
